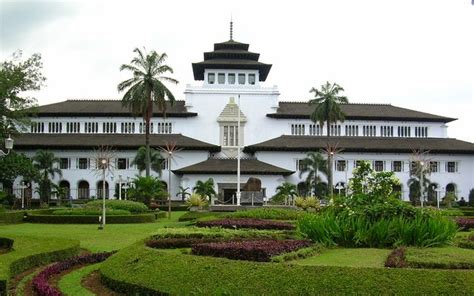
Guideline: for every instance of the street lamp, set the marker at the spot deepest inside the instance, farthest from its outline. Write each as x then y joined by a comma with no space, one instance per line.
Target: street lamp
120,187
438,193
339,187
126,187
103,166
422,164
8,146
23,186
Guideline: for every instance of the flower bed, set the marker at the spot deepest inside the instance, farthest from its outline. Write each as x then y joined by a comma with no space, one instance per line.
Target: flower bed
175,243
465,223
396,259
261,250
40,281
246,223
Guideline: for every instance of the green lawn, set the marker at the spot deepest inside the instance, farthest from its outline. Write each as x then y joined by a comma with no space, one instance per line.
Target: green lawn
113,237
363,257
448,257
70,284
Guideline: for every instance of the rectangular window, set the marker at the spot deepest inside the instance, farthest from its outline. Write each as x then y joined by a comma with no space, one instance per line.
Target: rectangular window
164,164
211,78
378,166
300,165
64,163
241,78
252,79
231,78
221,78
451,167
341,165
434,166
231,136
83,163
226,138
397,166
122,163
298,129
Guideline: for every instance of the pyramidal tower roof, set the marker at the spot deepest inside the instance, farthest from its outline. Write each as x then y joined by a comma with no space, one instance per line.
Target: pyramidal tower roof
231,112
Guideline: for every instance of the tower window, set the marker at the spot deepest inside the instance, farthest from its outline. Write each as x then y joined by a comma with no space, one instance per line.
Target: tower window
221,78
231,78
241,78
211,78
252,79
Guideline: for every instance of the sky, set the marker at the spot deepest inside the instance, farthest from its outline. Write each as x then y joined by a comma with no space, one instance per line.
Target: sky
415,54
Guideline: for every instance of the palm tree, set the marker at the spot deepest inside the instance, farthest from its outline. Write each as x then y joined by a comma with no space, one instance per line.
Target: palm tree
205,188
46,163
183,192
145,89
286,190
418,181
155,160
327,110
313,164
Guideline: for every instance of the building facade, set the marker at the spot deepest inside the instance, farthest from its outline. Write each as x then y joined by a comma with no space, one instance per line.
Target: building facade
275,135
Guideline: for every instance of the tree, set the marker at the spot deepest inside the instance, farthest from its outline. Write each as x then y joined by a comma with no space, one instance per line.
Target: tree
183,192
418,174
145,89
16,77
471,197
205,189
313,164
46,163
286,190
15,165
155,160
327,110
147,189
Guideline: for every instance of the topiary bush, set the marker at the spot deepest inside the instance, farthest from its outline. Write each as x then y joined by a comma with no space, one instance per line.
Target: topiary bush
246,223
6,243
260,250
127,205
12,217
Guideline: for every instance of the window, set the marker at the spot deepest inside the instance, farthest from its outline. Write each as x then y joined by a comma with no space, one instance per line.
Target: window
55,127
386,131
297,129
37,127
141,128
451,167
127,127
421,131
109,127
64,163
231,78
122,163
241,78
341,165
164,128
434,166
378,166
368,131
252,79
404,131
315,130
300,165
335,130
352,130
397,166
230,136
82,163
211,78
91,127
221,78
73,127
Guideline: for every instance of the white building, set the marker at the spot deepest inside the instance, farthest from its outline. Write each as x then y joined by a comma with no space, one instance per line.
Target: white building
275,135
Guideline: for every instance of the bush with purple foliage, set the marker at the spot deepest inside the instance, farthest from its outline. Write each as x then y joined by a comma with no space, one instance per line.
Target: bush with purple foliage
396,259
260,250
246,223
465,223
40,281
178,242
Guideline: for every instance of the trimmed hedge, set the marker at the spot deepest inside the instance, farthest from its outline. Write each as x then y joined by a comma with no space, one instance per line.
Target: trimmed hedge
246,223
6,243
260,250
81,219
175,243
127,205
145,271
30,252
192,216
41,280
268,213
440,258
174,208
13,217
89,212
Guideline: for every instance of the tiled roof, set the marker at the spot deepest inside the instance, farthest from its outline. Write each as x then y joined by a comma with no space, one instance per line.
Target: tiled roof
105,108
365,144
229,166
118,141
359,112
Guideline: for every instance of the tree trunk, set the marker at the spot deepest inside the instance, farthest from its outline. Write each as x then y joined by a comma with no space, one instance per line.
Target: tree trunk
149,112
329,161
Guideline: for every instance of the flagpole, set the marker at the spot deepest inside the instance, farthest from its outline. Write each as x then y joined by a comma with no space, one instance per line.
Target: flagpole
238,151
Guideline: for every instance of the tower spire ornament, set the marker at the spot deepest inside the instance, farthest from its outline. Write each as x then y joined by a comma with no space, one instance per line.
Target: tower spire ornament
231,27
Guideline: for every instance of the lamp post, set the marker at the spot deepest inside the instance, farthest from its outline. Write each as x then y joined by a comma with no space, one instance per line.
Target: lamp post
438,193
120,187
103,166
23,186
8,146
126,186
238,151
339,187
422,164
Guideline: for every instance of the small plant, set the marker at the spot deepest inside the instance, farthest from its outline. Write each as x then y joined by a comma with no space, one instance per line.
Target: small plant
397,259
196,200
449,199
306,203
147,189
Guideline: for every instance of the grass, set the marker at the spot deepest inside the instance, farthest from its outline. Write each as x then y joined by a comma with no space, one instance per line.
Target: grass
448,257
363,257
113,237
70,284
182,274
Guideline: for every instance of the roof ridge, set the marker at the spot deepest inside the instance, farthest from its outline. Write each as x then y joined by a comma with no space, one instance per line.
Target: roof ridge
373,104
100,100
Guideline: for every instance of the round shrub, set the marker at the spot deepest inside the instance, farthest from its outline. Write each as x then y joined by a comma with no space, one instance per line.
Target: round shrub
127,205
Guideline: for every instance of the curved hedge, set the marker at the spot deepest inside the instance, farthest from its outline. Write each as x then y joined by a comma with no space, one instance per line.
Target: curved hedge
127,205
30,252
82,219
145,271
13,217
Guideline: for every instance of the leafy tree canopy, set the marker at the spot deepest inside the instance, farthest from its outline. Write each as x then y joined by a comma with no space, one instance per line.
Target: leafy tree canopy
15,165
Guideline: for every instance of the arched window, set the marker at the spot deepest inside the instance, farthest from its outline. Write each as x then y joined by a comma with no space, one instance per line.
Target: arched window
451,187
65,191
83,190
100,189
